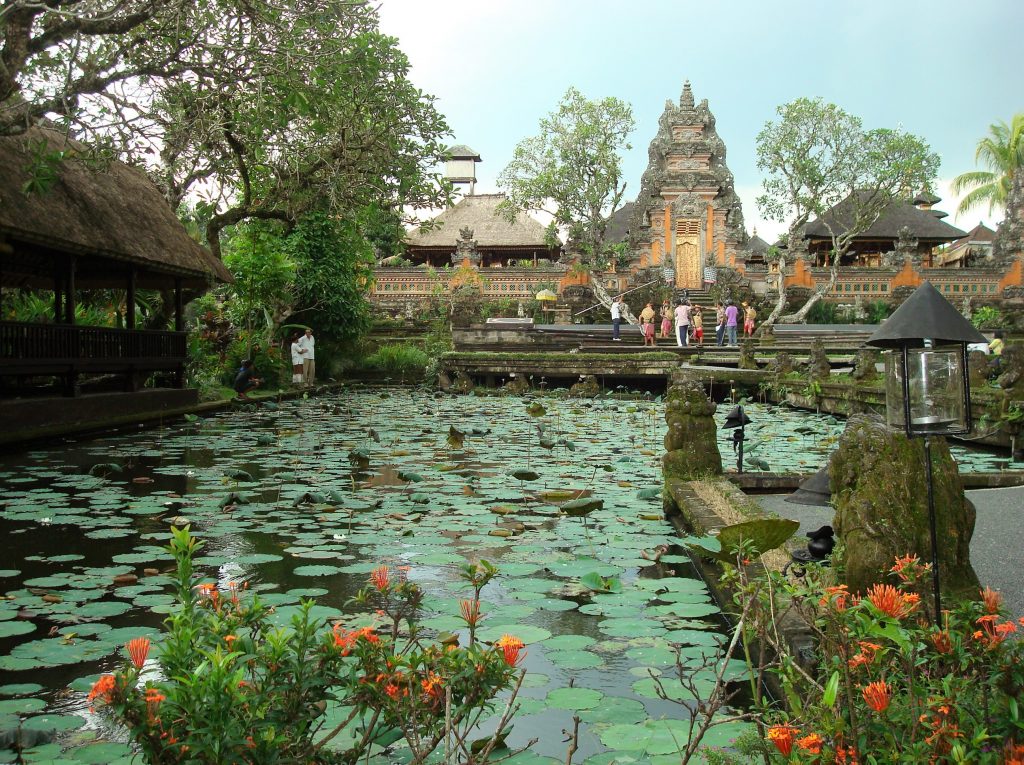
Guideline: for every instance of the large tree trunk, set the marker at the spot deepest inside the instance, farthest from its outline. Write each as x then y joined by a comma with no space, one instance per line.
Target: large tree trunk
605,299
780,304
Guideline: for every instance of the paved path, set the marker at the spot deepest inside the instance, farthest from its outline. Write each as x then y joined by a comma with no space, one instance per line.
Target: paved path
997,547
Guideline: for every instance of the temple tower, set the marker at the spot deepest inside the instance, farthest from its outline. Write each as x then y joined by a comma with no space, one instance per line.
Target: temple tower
687,215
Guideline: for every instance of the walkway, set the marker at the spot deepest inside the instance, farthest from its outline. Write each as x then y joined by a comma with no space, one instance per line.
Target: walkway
997,548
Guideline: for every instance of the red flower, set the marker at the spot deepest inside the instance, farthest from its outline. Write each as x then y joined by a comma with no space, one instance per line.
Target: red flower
470,611
811,743
782,737
942,641
345,639
380,577
992,600
836,596
909,567
877,695
512,649
891,601
153,699
103,689
138,650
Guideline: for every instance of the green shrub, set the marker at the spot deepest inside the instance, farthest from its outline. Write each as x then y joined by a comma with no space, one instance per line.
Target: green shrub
988,317
235,688
398,359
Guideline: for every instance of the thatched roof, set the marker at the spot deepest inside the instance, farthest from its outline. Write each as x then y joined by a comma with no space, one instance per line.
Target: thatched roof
108,216
923,224
757,246
618,224
490,229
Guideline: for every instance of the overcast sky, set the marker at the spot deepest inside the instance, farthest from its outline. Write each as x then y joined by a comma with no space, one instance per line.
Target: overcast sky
944,69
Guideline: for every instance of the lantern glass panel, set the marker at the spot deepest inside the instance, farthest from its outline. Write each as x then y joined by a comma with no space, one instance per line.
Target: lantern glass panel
935,381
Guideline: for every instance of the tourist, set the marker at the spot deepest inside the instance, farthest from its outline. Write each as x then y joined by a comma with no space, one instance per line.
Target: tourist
749,316
683,323
297,353
616,317
246,380
666,319
995,346
731,317
647,324
719,323
697,320
308,357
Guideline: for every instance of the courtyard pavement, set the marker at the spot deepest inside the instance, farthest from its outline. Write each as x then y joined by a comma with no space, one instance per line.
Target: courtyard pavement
997,547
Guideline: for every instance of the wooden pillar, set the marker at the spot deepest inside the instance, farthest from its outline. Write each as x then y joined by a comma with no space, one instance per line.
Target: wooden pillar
129,308
179,308
69,297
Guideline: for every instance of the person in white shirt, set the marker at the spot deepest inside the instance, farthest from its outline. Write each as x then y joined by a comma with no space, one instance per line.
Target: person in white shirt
308,345
616,317
297,358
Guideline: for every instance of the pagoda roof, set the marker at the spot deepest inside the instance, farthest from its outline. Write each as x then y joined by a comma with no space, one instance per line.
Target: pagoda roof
898,214
479,212
926,198
980,233
757,245
461,151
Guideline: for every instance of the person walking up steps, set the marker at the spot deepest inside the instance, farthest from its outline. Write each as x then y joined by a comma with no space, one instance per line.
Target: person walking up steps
749,316
683,323
616,317
719,323
666,319
697,321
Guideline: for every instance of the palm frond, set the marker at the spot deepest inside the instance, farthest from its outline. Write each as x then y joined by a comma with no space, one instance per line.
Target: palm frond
990,193
972,178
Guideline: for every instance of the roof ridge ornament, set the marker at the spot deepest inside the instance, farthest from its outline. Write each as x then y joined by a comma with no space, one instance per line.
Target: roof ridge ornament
686,98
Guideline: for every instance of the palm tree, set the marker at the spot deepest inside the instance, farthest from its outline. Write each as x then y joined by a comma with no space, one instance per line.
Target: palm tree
1002,151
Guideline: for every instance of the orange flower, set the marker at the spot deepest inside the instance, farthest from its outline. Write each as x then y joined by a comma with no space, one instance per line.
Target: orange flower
229,639
877,695
846,755
782,737
992,600
345,639
391,690
470,612
512,648
909,568
811,743
432,685
380,577
836,596
138,650
1013,754
103,689
942,641
153,699
891,601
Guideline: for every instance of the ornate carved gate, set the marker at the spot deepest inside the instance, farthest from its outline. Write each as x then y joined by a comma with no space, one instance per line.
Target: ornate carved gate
688,259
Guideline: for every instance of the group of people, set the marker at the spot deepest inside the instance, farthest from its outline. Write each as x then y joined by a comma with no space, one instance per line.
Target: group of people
688,321
303,358
303,366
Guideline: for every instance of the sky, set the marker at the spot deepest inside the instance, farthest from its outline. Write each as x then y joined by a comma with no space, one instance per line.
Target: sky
944,70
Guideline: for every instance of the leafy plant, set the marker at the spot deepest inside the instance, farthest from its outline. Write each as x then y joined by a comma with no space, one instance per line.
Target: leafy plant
237,689
398,359
987,316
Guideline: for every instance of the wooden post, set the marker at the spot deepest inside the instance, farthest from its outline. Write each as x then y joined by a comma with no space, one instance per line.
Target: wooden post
69,297
129,312
179,308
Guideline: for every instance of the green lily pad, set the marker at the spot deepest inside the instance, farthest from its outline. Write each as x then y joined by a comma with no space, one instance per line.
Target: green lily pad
525,632
574,698
318,570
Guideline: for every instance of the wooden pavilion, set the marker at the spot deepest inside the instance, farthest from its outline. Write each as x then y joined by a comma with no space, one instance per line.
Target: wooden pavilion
107,228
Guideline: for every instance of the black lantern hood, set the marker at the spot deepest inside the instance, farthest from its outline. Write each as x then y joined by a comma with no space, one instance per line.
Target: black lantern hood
815,491
736,418
925,314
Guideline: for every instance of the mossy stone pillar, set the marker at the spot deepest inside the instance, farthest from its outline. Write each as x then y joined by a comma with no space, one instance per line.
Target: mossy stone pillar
879,490
691,443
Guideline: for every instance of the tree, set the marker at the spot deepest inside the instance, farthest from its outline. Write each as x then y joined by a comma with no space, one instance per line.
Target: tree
1002,151
334,265
573,169
263,293
265,110
817,156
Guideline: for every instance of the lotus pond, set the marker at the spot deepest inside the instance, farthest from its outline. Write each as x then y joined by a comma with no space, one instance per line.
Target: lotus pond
303,500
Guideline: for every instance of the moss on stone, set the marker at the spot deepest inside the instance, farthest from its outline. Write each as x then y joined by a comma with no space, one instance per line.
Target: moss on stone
880,494
691,442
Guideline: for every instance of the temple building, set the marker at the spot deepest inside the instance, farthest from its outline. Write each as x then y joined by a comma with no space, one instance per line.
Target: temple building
914,220
973,249
474,230
687,216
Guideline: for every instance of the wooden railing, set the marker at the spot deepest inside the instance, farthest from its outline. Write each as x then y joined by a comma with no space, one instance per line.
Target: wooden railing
27,348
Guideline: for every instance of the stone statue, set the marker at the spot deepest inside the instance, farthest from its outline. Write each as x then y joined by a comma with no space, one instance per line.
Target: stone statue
818,366
691,443
879,492
587,387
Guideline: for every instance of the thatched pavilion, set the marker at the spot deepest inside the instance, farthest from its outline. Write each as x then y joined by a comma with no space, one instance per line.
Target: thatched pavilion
105,228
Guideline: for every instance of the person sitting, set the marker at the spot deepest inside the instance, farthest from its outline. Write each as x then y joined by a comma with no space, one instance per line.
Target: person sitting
246,380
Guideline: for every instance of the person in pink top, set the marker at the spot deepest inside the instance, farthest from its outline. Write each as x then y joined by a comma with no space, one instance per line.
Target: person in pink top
683,323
